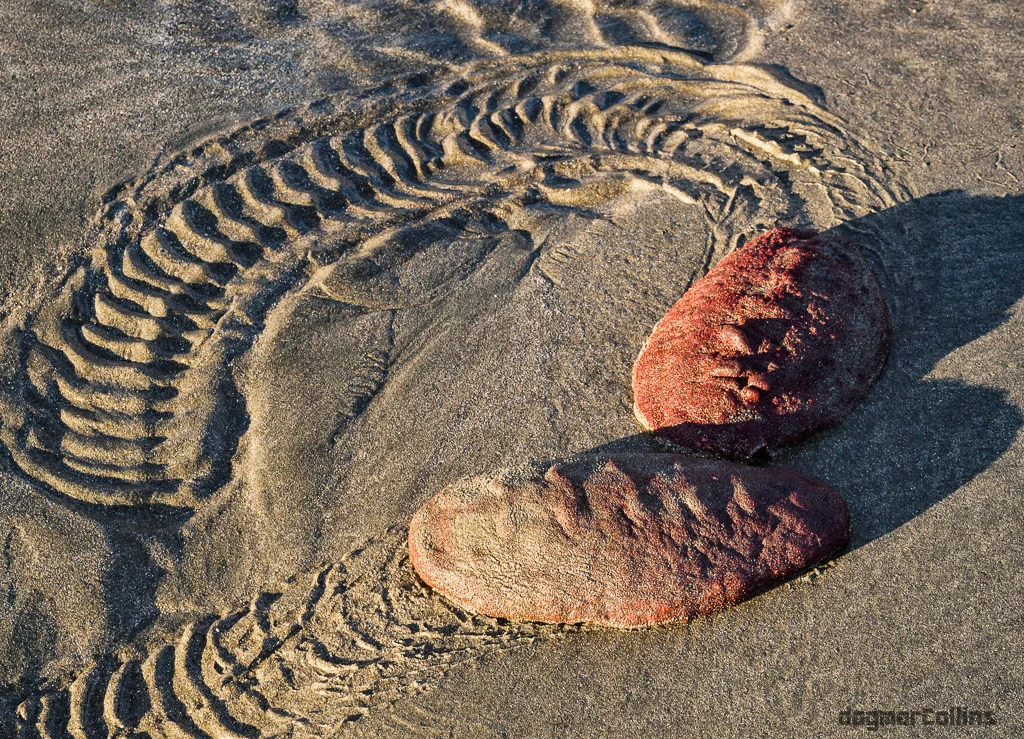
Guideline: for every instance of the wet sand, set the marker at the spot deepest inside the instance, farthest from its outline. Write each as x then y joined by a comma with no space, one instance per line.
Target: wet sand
446,321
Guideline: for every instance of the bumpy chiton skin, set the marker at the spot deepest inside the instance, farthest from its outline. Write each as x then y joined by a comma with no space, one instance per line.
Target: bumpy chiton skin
782,338
627,541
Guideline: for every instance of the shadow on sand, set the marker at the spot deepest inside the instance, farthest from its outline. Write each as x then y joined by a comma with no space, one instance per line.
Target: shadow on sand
953,265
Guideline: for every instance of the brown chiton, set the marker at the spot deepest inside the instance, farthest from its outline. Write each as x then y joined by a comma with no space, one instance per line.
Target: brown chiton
782,338
627,541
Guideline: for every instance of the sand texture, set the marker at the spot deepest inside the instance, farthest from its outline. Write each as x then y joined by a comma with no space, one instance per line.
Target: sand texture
275,272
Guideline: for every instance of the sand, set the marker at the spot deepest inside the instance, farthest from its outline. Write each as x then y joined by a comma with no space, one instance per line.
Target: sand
359,368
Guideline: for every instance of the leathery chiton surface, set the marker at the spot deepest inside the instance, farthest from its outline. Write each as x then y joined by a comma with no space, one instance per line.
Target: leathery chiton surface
783,337
627,541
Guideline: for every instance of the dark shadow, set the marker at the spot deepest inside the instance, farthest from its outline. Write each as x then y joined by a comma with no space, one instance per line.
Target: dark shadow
131,580
953,267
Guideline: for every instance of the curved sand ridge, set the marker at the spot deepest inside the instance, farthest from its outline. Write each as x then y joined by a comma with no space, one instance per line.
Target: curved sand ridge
124,393
678,537
424,35
302,661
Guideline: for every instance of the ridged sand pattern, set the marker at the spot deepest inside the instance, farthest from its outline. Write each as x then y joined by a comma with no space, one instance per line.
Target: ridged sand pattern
124,393
300,662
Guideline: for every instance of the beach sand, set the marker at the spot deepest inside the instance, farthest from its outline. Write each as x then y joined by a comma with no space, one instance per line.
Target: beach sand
367,370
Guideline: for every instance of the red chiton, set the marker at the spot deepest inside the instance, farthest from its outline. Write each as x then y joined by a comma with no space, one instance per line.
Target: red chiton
627,541
783,337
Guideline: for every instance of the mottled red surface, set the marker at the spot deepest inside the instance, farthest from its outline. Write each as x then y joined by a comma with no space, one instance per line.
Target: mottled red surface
626,541
783,337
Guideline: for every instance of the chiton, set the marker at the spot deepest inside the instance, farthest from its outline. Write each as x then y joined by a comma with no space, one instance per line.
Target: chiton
782,338
627,541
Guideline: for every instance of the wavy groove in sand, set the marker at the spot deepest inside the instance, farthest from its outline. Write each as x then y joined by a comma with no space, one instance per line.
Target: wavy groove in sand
717,29
302,661
125,394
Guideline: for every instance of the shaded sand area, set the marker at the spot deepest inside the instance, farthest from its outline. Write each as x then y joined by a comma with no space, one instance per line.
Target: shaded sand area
446,265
